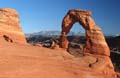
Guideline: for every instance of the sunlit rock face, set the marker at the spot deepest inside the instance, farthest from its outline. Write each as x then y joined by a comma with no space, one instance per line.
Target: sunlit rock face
95,45
95,41
10,28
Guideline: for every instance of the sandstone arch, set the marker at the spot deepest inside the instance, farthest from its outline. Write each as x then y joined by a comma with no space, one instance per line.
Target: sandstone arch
95,41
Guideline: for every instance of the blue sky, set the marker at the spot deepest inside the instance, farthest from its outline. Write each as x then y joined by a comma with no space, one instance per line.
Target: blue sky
37,15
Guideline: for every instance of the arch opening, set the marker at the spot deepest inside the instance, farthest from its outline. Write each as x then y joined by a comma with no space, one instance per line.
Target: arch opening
77,39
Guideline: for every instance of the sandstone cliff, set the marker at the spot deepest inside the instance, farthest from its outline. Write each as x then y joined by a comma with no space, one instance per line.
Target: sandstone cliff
10,29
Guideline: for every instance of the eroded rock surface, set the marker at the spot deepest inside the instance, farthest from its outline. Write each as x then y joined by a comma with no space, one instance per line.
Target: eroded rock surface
64,42
95,41
10,26
95,45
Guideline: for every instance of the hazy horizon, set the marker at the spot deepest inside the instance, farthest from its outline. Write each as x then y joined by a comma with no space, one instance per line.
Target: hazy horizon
42,15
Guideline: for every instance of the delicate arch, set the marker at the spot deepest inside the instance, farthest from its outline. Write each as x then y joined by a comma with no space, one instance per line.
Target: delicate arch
95,41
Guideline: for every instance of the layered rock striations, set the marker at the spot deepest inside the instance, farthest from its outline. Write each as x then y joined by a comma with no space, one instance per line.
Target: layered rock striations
10,29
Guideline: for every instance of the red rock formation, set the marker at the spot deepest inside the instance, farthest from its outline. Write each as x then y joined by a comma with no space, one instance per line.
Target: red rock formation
64,42
95,46
95,43
10,25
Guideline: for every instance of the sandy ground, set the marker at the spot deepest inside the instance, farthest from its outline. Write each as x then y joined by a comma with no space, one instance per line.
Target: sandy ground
26,61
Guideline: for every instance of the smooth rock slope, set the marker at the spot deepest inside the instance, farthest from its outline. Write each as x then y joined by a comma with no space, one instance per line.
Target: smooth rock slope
26,61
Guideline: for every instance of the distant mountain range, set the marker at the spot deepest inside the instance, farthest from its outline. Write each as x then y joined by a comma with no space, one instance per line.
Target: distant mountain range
50,33
71,33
